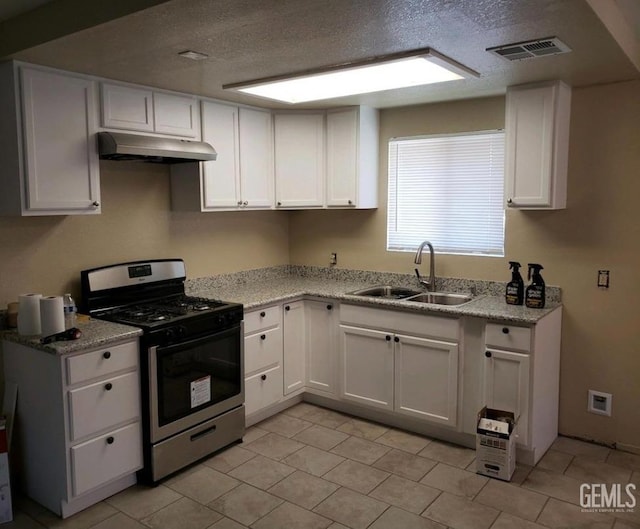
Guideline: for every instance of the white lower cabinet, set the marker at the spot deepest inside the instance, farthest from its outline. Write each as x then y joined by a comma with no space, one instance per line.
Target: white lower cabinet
367,366
506,386
321,345
294,342
79,429
104,458
406,366
426,379
397,371
522,374
263,389
262,358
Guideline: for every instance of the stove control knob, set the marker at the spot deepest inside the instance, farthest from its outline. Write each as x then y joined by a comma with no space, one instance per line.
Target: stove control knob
170,334
182,331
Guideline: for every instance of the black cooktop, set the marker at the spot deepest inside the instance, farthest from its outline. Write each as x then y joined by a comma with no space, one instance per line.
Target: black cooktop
164,311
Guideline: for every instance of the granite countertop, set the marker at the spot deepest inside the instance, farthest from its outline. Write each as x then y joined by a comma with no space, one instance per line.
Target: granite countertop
260,288
95,333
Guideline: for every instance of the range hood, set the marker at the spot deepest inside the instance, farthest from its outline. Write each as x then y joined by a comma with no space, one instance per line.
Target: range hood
122,146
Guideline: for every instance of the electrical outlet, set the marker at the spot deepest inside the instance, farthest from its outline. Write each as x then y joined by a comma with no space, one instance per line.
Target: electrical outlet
599,402
603,278
333,259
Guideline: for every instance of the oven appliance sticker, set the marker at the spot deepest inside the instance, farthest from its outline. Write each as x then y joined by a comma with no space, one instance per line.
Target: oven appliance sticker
200,391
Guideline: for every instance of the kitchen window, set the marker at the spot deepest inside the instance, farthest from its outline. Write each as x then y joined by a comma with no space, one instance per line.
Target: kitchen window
447,189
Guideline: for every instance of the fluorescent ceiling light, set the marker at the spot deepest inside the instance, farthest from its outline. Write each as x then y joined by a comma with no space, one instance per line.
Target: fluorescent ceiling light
415,68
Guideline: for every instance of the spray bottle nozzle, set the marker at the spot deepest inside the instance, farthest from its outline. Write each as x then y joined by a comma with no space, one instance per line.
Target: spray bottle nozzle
514,265
534,269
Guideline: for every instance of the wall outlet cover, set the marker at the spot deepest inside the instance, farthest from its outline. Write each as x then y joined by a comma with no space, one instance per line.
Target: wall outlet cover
599,402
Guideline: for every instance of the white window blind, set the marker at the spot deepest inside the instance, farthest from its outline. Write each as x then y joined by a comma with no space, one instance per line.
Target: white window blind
449,190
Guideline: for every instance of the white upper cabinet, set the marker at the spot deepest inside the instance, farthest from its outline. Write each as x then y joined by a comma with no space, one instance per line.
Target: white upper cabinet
141,109
124,107
220,178
299,160
352,157
241,177
49,151
175,114
256,158
537,145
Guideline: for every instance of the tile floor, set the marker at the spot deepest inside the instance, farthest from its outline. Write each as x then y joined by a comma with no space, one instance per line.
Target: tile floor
312,468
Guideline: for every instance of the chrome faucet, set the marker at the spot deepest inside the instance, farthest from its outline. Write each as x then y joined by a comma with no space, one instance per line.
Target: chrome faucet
431,284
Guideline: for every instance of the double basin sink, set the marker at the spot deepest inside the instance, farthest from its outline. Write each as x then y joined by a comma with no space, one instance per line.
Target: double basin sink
407,294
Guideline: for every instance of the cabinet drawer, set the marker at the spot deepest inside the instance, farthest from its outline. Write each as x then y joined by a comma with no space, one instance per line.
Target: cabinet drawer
262,350
263,389
104,404
262,319
105,458
508,337
102,362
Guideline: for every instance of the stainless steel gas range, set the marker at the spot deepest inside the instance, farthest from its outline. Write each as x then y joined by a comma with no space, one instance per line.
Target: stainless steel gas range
191,360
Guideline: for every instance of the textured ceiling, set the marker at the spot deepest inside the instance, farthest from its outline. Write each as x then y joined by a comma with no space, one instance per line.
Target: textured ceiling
249,39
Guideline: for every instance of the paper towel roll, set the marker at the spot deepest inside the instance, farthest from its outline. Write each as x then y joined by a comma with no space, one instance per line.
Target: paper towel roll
51,315
29,314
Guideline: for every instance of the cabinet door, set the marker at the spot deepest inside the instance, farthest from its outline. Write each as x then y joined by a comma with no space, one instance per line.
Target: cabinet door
320,345
506,386
537,126
175,114
61,155
342,157
299,160
367,366
263,389
293,328
426,379
220,186
256,158
128,108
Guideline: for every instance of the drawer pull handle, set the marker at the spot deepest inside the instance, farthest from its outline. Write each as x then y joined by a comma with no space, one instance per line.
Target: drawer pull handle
263,314
110,440
329,307
487,354
204,432
396,339
263,336
287,308
106,355
505,330
263,377
108,386
388,338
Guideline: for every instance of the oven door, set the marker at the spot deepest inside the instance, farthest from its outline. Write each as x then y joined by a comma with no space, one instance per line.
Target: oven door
193,381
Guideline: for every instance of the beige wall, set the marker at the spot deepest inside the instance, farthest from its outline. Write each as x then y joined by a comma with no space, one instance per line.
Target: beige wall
46,254
600,229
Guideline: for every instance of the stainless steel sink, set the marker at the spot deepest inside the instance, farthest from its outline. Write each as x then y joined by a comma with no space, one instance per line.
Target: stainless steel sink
386,291
440,298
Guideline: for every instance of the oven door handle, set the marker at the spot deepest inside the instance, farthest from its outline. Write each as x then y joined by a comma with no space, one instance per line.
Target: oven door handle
187,344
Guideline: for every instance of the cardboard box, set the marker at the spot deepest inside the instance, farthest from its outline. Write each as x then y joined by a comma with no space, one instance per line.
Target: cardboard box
496,443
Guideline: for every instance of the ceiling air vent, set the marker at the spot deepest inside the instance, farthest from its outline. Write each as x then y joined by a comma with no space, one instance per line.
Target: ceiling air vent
531,49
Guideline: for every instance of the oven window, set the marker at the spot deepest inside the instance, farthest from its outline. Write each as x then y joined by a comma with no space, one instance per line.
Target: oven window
198,374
